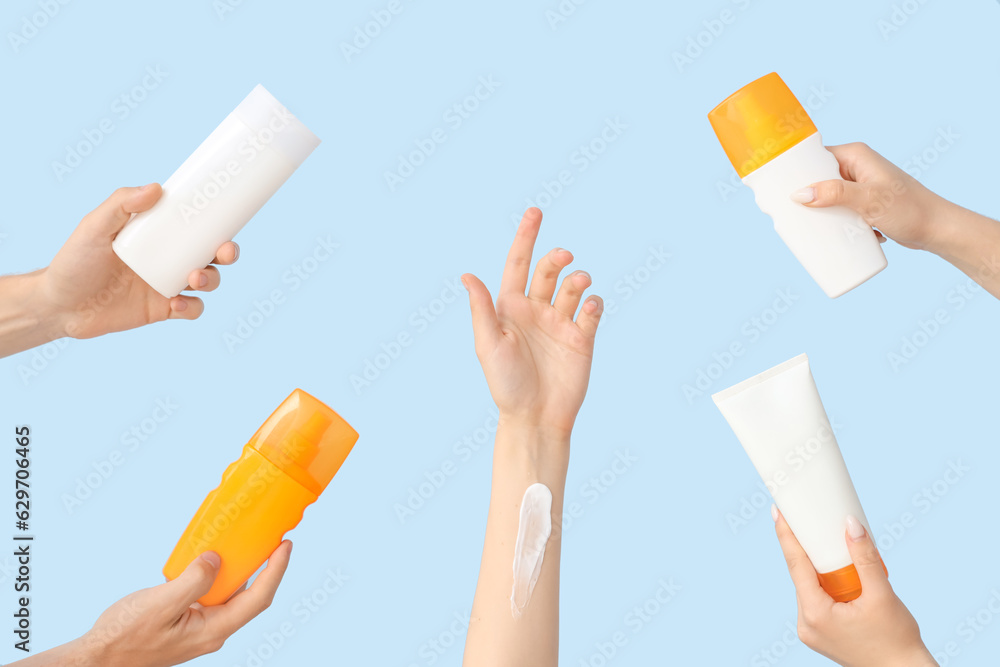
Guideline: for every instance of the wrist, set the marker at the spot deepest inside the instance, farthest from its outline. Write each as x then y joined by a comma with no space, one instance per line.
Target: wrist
918,657
527,451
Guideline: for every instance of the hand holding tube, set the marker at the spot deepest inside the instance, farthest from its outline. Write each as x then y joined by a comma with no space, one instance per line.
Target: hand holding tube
875,630
87,291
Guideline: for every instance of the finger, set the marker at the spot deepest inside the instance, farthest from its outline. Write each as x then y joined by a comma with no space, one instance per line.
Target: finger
800,568
837,192
242,608
543,282
852,156
568,299
515,272
590,315
485,326
108,218
864,553
194,582
186,308
204,280
227,253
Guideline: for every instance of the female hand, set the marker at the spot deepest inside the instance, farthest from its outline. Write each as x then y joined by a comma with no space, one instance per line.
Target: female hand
90,291
536,358
875,630
164,625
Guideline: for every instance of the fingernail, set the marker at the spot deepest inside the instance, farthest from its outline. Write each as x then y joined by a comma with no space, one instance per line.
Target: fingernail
202,280
465,284
774,512
237,256
584,274
146,187
592,305
804,196
556,251
179,305
855,529
212,559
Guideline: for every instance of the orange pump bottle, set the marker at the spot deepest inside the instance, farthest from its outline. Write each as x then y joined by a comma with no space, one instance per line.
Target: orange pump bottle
286,465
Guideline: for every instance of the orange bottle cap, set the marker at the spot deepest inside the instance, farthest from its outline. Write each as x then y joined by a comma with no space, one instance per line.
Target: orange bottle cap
843,585
759,122
306,439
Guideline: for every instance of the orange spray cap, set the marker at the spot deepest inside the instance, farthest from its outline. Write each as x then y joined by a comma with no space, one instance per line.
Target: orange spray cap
306,440
759,122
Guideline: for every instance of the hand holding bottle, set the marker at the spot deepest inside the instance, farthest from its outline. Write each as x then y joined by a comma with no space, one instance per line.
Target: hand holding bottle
875,630
164,626
900,207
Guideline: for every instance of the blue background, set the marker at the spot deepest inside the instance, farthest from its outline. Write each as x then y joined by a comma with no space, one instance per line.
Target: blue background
662,183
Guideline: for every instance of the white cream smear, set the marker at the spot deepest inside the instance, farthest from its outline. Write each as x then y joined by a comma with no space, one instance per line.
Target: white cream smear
533,530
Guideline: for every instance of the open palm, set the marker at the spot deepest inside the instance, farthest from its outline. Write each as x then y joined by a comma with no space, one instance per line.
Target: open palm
536,357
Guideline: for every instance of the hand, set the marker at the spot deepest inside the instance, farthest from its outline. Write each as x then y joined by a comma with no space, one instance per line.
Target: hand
885,196
535,356
874,630
164,625
89,291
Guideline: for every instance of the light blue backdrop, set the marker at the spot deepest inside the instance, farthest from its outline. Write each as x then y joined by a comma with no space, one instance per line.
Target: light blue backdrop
661,186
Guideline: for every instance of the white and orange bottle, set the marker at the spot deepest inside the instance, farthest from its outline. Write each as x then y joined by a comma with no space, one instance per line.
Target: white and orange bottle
777,150
286,465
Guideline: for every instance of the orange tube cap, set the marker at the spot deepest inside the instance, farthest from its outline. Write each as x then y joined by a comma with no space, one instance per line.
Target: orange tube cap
844,585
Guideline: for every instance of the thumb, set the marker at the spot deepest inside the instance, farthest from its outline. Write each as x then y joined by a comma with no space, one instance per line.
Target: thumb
837,192
194,582
871,570
485,326
112,214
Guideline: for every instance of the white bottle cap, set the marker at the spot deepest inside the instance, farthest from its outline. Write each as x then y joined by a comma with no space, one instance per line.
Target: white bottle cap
277,127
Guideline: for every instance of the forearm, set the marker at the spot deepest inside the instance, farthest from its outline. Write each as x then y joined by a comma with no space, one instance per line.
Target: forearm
522,457
971,242
74,654
25,320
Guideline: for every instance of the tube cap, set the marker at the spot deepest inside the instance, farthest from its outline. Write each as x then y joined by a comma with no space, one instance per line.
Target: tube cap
844,585
305,439
275,126
759,122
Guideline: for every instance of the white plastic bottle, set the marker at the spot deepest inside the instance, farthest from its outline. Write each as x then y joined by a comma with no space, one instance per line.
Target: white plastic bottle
215,192
780,421
776,149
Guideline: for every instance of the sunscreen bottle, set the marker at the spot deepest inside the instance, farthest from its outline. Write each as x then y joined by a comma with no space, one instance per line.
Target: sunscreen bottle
777,150
780,421
286,465
215,192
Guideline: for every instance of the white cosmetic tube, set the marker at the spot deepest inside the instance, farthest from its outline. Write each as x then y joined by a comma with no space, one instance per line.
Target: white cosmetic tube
780,421
215,192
